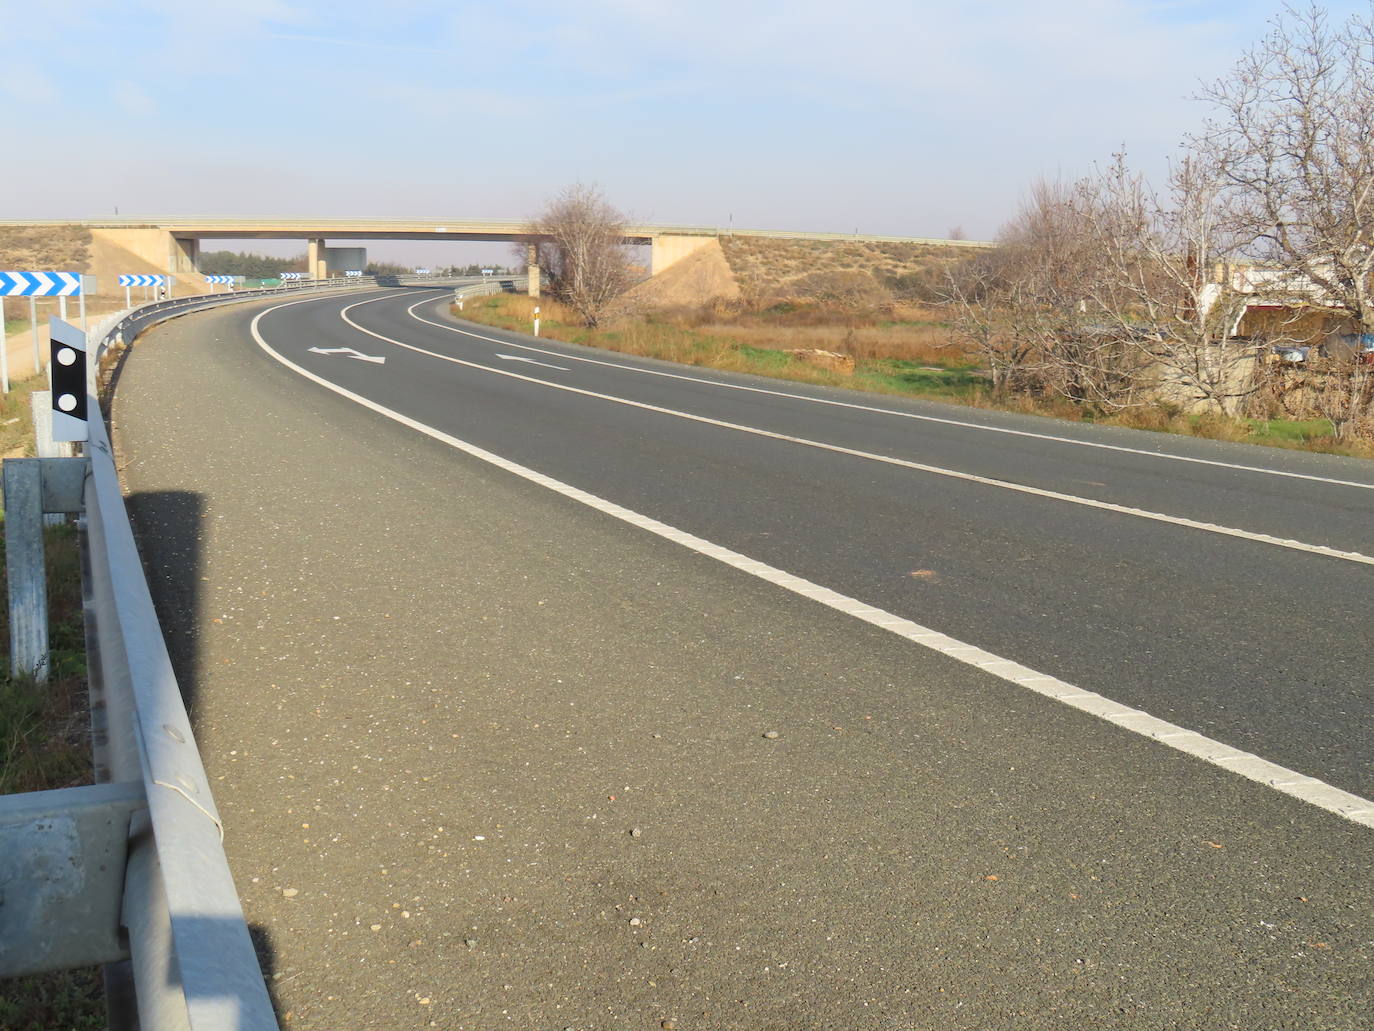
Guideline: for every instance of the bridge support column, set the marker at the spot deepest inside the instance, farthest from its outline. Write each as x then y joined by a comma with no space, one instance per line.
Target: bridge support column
314,262
184,255
532,260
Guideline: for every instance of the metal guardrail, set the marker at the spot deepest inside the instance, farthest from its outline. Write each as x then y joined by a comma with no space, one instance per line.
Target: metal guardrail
130,872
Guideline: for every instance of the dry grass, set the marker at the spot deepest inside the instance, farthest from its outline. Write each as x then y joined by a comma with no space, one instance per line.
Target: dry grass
16,417
45,248
769,269
899,332
902,343
684,339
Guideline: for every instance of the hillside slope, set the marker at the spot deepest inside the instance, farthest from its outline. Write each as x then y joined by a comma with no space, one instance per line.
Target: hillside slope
770,270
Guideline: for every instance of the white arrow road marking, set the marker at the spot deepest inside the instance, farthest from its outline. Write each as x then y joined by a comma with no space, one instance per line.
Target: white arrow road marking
530,361
351,353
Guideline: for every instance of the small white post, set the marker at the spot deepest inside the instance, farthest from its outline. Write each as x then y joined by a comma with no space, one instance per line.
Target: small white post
128,299
62,307
33,331
4,350
84,327
536,320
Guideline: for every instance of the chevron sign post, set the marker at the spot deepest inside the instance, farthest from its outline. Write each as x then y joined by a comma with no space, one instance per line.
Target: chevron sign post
422,271
39,284
212,280
138,280
353,273
288,277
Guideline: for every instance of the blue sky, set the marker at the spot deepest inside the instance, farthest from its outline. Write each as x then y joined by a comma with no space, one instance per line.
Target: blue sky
890,118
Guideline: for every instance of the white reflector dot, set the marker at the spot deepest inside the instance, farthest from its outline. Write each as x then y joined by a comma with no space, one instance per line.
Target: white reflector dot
66,356
66,402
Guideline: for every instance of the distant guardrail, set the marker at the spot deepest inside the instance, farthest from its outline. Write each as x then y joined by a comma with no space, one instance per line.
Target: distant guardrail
130,872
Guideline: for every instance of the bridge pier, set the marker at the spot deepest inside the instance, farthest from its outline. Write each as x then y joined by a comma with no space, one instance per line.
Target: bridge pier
184,255
315,260
532,260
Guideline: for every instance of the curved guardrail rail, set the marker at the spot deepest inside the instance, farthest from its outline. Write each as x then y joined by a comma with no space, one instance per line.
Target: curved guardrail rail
131,872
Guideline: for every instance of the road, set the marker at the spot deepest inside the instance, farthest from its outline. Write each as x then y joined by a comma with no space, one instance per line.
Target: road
1264,648
406,636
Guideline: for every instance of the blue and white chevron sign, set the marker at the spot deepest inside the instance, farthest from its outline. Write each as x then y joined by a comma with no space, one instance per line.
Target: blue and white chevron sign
353,272
219,279
142,280
40,284
292,275
422,271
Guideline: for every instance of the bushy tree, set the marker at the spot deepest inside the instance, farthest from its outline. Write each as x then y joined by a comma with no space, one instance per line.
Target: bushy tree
582,250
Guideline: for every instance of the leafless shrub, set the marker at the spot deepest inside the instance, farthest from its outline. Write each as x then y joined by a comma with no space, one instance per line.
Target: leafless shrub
1154,288
1023,307
849,290
582,250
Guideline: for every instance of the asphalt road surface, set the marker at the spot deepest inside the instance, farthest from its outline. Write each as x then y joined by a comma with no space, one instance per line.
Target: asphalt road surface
429,685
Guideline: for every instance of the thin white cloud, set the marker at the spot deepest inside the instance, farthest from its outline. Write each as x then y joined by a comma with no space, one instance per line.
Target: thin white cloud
27,83
364,44
134,100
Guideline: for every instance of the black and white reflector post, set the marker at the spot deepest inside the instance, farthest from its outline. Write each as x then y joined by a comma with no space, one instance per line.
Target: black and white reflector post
68,370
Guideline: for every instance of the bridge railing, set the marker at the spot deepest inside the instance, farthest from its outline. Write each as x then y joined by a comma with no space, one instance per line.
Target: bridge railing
130,872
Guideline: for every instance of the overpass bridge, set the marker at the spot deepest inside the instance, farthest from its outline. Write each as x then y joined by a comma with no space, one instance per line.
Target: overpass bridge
173,244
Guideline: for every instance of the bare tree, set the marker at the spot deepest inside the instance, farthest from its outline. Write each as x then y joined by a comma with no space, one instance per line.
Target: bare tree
1293,137
1155,289
582,249
1085,358
980,295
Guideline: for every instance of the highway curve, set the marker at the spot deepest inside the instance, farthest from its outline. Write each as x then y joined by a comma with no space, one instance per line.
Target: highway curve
491,756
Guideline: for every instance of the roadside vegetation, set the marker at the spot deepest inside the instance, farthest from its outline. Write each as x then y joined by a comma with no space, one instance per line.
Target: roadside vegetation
248,265
45,740
16,417
910,352
1239,289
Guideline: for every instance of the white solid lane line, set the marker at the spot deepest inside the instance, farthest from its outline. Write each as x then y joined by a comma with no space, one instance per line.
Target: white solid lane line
1308,789
963,424
529,361
956,474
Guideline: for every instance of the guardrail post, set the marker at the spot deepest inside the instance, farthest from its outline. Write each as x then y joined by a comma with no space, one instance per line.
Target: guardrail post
28,586
160,993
